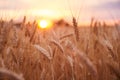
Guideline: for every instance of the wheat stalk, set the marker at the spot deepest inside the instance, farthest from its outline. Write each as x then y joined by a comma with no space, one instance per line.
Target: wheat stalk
84,58
43,51
66,36
76,31
58,45
31,38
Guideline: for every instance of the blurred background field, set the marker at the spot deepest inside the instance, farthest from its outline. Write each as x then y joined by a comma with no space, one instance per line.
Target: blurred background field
34,53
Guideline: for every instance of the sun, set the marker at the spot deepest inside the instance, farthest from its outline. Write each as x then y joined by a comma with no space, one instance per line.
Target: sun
44,24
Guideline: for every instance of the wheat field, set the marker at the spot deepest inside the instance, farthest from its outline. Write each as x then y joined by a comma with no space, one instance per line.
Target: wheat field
61,53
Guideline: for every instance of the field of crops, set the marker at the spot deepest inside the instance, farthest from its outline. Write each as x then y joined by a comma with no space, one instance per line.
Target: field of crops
60,53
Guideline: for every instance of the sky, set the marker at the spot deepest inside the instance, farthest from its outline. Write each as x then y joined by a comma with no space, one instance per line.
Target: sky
83,10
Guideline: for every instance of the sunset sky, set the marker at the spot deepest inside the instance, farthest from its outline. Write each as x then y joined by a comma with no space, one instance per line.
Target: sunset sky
55,9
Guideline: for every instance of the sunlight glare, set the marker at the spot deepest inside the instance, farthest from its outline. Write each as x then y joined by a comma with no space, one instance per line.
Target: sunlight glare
44,24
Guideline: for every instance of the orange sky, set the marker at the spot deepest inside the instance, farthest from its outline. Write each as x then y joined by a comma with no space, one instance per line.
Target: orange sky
55,9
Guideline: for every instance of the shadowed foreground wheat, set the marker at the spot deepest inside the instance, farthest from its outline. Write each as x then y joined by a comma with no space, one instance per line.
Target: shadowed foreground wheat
9,75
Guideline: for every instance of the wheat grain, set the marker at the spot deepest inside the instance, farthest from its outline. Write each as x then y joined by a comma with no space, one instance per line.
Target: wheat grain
43,51
58,45
76,29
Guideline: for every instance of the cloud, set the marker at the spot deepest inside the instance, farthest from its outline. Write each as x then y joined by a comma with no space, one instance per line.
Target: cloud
107,9
90,7
14,4
113,5
26,4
